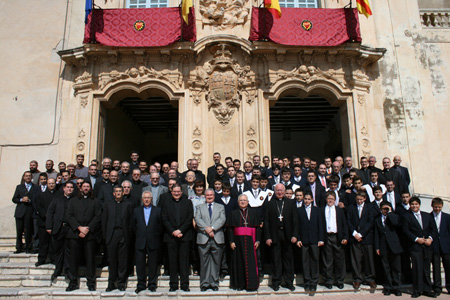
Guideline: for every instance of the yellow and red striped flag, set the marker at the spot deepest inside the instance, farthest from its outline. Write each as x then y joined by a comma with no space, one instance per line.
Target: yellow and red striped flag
364,7
274,7
185,10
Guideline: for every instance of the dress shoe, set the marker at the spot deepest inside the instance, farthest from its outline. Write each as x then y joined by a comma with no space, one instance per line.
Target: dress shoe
276,288
356,285
398,293
139,289
110,288
340,286
186,289
313,288
415,295
203,289
71,288
328,286
215,288
39,263
386,292
372,285
239,289
18,251
438,293
172,289
430,294
291,287
34,251
91,288
306,287
122,289
152,289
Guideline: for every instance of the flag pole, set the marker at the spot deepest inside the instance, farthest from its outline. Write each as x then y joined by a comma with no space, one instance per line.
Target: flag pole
264,20
92,22
182,20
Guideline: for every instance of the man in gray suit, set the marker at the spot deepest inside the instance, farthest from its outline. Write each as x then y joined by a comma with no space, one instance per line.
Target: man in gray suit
155,188
210,220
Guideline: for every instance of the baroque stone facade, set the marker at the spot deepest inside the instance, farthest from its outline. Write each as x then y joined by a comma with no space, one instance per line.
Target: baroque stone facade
391,90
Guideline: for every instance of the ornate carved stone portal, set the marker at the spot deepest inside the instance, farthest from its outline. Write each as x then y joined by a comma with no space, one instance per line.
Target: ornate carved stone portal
222,14
223,86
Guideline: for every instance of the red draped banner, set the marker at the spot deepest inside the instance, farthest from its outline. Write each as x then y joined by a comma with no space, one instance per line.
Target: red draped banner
132,27
306,26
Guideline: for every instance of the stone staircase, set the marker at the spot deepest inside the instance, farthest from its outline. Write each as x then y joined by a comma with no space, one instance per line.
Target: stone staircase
20,278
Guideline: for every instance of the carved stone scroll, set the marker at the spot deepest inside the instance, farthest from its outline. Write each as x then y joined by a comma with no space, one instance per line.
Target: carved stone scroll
222,14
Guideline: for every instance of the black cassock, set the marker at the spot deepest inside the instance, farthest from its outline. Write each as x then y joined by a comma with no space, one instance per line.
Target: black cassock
244,230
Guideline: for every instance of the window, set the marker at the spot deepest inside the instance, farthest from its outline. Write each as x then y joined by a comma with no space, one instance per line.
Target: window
299,3
147,3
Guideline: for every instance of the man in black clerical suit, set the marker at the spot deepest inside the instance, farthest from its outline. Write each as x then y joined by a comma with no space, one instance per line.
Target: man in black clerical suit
212,172
84,218
387,245
137,184
43,201
104,179
117,231
391,174
193,166
106,191
57,226
420,230
147,225
281,231
177,215
23,197
404,173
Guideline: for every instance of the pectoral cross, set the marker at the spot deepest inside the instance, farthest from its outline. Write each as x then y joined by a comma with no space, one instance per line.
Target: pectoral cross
280,217
245,223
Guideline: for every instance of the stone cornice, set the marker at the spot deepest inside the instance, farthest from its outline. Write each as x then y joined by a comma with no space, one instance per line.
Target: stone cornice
88,53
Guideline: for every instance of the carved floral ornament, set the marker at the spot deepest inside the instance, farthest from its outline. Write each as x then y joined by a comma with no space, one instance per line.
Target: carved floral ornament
222,80
309,74
223,14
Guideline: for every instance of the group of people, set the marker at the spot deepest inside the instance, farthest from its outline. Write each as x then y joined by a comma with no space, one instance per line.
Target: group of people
298,215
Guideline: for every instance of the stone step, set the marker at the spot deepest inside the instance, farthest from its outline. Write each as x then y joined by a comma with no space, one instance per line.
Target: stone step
7,247
224,292
8,239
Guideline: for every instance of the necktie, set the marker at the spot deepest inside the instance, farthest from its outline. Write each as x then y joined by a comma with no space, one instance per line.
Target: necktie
419,219
359,211
255,193
240,189
384,221
324,184
210,210
438,223
308,212
28,186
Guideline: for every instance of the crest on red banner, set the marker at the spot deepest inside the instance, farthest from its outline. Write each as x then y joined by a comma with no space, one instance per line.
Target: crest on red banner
307,25
139,25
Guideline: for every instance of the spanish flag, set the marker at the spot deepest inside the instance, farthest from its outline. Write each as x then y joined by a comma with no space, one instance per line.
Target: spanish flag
185,9
274,7
364,7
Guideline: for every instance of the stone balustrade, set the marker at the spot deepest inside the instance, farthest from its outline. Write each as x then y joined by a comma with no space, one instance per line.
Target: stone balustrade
435,18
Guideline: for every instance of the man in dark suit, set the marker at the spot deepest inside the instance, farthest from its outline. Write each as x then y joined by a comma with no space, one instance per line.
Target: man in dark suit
240,185
299,178
361,225
281,231
310,238
420,230
84,218
336,237
210,219
92,175
177,214
440,246
57,226
43,201
405,258
23,197
387,245
116,231
212,172
391,195
147,224
364,172
317,190
137,184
